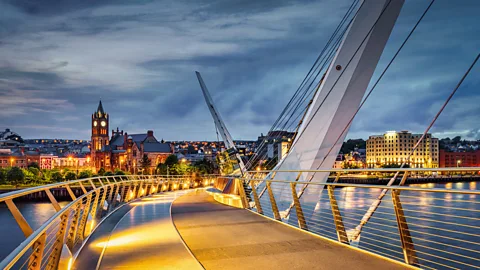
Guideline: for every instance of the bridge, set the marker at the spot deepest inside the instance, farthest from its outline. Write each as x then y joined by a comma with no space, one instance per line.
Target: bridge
300,215
227,222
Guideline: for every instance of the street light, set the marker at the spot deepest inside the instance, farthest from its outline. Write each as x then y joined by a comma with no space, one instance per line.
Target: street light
11,161
459,162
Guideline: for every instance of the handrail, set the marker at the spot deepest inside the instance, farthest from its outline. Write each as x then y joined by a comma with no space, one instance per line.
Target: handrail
450,169
419,226
56,239
26,191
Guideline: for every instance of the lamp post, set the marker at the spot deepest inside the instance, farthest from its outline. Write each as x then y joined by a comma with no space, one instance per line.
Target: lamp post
11,161
459,162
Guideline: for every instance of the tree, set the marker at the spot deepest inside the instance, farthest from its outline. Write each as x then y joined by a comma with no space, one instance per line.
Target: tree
204,166
33,165
351,144
56,177
84,174
225,163
109,173
347,165
119,172
3,176
101,172
15,176
145,163
34,170
456,139
171,160
161,169
70,176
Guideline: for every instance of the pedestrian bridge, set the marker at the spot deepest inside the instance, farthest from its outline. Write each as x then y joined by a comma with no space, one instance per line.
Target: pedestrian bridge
155,222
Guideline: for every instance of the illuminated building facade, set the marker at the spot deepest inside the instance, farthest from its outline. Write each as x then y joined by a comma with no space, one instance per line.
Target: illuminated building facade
393,148
459,159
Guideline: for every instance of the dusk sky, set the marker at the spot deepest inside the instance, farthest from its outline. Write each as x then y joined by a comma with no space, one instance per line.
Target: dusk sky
58,58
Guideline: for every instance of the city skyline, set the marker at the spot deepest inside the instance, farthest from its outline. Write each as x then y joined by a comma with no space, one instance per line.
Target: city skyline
56,63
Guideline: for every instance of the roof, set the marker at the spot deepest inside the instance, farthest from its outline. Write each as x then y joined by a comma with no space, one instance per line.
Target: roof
157,147
100,108
117,140
138,137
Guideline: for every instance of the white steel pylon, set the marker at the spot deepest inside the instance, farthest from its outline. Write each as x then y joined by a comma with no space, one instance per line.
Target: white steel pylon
340,93
227,138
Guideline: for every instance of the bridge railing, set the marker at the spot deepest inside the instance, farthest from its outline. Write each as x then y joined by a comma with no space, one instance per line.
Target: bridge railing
53,244
420,225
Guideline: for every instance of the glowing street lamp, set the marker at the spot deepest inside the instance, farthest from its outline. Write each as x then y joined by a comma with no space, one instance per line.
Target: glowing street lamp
459,162
11,161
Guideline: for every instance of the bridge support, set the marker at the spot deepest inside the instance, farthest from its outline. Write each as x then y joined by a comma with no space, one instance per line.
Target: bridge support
298,207
255,198
276,214
405,237
337,217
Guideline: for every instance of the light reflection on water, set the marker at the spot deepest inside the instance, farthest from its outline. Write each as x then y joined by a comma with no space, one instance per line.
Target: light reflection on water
35,214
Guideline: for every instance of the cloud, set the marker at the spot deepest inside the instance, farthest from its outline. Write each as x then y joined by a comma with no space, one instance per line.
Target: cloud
58,58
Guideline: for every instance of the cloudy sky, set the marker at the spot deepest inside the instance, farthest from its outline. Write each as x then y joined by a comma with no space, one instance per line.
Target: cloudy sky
58,58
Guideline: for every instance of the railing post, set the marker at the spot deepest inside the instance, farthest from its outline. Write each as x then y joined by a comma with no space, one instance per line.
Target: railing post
83,220
243,195
72,231
133,191
58,245
113,200
36,257
298,207
83,188
405,237
53,200
102,203
255,198
276,214
21,221
70,192
337,216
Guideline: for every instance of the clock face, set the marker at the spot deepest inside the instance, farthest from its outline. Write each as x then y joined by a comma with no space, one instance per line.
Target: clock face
94,123
103,123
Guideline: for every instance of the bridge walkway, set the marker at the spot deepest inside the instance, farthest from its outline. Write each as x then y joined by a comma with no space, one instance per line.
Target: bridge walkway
140,235
223,237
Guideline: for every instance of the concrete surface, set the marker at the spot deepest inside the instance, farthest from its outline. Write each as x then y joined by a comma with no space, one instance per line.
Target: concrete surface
223,237
144,238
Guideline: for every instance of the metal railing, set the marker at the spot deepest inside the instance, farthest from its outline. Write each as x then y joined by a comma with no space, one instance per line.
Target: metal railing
51,245
432,228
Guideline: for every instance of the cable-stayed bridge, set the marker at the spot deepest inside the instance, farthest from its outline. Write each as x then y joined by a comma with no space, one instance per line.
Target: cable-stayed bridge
299,215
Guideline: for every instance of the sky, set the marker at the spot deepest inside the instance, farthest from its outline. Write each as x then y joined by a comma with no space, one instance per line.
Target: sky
58,58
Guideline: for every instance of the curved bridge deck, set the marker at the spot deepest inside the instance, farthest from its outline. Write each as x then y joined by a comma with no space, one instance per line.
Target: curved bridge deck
219,236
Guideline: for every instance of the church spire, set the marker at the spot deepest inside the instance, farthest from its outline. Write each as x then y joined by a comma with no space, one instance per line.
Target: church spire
100,108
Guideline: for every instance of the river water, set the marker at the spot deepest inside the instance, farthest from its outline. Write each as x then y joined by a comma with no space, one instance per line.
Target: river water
380,235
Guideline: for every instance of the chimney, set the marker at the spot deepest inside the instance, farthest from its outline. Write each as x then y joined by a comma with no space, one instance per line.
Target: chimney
150,133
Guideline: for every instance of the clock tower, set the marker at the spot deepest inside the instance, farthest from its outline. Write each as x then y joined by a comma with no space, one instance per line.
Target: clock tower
100,135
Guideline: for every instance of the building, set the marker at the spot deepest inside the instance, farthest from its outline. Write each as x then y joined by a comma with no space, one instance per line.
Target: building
123,151
100,137
393,148
275,145
459,159
12,159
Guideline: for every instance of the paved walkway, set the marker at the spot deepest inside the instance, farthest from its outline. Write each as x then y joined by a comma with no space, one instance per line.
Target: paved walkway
222,237
143,237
